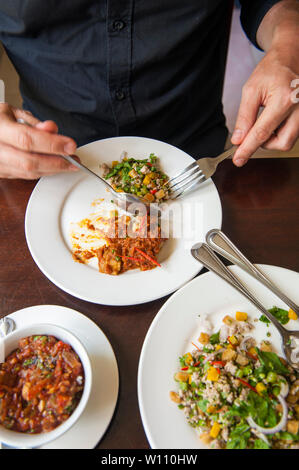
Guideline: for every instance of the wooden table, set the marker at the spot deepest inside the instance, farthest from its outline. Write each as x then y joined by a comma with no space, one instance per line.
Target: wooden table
260,214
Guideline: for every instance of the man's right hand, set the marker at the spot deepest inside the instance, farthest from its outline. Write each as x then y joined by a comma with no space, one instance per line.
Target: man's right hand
30,152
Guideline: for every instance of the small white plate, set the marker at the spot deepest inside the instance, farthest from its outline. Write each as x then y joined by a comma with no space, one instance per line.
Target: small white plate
59,200
94,421
170,335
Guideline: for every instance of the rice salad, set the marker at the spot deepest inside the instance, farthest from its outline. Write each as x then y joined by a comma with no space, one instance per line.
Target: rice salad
141,177
237,394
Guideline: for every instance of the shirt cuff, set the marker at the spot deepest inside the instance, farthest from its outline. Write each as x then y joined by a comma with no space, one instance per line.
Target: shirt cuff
252,14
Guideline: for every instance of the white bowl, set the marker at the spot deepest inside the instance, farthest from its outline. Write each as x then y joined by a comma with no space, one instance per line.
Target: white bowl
23,440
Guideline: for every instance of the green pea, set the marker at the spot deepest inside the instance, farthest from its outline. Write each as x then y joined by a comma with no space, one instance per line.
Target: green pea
252,381
239,373
276,391
247,370
271,377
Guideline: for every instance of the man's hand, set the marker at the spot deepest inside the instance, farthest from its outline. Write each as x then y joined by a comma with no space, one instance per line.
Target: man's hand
30,152
270,87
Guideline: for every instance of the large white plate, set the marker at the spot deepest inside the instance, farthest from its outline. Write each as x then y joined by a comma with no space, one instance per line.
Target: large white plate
169,338
92,424
59,200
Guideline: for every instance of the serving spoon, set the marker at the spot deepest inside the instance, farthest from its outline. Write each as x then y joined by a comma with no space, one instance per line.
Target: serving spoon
206,256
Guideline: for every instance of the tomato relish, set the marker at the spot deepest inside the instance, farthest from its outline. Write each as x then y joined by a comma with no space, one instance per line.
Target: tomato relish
41,384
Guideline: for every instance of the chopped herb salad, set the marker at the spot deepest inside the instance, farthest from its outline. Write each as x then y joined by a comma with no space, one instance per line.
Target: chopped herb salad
142,178
237,394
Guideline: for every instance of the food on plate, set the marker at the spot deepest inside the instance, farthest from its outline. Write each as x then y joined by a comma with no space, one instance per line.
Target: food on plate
119,242
142,178
41,384
282,315
237,394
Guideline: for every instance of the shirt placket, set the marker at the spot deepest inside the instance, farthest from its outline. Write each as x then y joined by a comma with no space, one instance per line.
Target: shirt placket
119,60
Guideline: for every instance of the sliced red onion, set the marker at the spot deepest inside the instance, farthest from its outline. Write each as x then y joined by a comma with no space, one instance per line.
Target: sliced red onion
262,436
282,423
284,387
244,341
224,333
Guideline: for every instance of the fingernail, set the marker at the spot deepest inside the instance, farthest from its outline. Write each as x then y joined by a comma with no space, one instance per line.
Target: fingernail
69,148
240,162
237,135
39,125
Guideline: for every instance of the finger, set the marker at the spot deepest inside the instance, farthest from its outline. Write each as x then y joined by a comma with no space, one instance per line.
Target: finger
26,165
26,116
268,121
247,114
31,139
47,126
287,134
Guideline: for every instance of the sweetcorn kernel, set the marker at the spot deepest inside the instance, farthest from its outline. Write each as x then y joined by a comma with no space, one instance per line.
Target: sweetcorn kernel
215,430
252,351
211,409
233,340
188,358
292,315
260,388
241,316
213,374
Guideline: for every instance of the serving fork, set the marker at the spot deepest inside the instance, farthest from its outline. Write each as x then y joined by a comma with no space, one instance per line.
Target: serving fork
220,243
196,173
208,258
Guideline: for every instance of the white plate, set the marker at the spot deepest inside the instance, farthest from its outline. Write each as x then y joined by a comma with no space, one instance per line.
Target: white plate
169,338
92,424
59,200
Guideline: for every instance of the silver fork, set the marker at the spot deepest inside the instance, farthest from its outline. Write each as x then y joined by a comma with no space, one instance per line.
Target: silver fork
220,243
196,173
125,198
206,256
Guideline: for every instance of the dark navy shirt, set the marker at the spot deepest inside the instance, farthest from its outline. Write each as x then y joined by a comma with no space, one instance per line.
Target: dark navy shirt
103,68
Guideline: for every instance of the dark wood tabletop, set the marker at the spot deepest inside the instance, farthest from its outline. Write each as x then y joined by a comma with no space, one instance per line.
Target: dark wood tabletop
260,214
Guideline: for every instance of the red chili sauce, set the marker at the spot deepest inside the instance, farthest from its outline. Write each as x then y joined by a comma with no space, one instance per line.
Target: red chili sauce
41,384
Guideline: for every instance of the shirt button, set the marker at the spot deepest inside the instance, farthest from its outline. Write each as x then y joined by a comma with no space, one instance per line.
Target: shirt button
118,25
120,95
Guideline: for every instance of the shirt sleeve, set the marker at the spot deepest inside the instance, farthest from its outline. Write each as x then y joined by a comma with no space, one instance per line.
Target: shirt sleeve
252,13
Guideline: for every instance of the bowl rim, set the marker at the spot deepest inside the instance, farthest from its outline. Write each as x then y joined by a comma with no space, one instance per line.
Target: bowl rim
19,439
